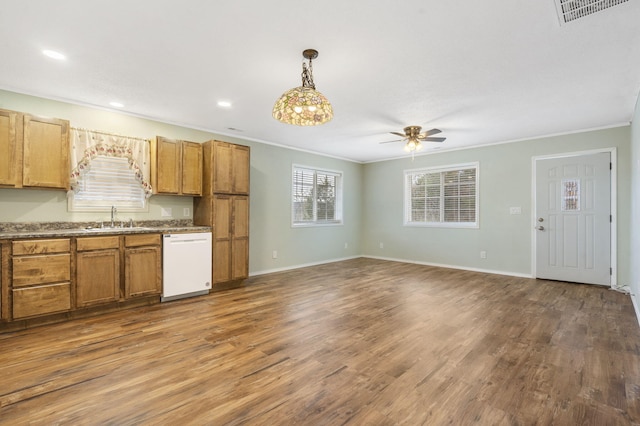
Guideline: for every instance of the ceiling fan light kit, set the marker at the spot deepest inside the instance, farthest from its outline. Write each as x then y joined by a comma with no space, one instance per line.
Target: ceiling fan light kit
413,145
413,138
304,105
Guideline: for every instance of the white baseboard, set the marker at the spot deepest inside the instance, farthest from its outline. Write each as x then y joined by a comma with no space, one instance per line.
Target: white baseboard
486,271
464,268
303,265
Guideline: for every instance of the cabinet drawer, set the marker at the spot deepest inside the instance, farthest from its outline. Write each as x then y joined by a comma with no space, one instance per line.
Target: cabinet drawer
97,243
46,299
142,240
40,246
41,269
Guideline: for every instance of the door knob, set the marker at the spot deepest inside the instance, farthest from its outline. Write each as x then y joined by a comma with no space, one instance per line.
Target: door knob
540,219
540,228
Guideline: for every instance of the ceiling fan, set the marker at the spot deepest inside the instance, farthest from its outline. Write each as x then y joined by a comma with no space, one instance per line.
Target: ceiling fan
414,138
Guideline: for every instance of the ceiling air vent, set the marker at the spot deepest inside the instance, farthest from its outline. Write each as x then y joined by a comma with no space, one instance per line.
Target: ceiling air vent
570,10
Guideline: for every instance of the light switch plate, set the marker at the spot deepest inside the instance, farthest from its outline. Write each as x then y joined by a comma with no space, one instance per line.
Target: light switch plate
515,210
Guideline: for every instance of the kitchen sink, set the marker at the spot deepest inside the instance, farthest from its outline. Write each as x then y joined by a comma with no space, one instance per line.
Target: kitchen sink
117,229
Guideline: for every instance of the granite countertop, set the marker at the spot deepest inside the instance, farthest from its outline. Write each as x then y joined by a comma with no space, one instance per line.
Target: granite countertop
13,230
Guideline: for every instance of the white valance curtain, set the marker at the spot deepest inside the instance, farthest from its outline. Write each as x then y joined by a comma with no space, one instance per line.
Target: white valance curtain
89,144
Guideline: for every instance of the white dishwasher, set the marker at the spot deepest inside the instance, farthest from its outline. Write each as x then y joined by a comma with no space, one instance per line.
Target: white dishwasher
186,265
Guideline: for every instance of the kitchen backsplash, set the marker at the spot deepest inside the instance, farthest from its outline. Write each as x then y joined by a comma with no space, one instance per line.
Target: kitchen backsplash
41,226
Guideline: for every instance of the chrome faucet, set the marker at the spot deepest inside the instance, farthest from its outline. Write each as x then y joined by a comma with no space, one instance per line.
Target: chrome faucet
113,215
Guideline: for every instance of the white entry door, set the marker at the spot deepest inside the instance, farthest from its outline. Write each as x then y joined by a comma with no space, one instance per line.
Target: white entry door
573,218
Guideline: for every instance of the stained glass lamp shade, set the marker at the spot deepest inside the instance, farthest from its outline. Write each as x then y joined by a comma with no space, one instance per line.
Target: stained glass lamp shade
303,105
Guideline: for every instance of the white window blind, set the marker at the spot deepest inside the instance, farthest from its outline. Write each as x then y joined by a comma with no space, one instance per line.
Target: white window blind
108,182
442,196
317,197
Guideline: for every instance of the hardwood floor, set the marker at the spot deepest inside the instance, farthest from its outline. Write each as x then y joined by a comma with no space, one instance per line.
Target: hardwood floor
362,342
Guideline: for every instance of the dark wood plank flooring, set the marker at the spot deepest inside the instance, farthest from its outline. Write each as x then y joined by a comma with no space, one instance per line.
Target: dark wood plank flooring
362,342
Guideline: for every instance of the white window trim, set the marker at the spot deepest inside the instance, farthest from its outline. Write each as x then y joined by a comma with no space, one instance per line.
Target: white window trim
339,196
440,169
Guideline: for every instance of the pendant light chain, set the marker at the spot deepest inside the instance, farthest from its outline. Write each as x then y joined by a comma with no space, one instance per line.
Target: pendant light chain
307,75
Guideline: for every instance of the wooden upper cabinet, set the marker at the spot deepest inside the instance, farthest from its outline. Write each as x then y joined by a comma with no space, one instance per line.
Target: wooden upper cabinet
222,168
226,168
165,166
45,162
241,161
34,151
10,147
191,168
176,167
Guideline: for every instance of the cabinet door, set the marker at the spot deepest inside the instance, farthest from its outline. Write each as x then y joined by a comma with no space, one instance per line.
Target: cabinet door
191,168
222,167
97,277
241,167
221,261
10,147
240,238
45,160
143,271
166,173
222,210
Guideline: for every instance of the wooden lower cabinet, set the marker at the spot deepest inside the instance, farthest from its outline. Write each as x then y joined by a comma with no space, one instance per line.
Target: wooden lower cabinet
143,265
228,215
97,270
41,277
230,237
41,300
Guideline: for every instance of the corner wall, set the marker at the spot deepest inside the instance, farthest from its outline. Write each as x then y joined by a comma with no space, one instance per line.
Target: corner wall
504,182
635,209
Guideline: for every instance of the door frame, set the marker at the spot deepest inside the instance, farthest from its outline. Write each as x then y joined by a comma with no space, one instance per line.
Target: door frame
614,202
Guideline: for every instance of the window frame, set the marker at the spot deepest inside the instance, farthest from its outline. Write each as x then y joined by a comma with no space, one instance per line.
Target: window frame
98,206
441,170
338,221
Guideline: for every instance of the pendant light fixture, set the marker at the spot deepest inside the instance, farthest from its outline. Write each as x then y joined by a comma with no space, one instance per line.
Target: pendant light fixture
304,105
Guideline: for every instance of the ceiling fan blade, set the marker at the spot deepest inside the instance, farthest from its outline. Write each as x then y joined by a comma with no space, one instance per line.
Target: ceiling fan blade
433,139
399,134
398,140
431,132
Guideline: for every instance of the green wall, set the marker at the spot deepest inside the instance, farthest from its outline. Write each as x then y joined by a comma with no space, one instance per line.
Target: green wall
635,208
373,203
270,218
505,181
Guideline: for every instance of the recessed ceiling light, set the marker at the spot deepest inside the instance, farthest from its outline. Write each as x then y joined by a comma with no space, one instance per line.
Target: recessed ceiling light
54,55
224,104
116,104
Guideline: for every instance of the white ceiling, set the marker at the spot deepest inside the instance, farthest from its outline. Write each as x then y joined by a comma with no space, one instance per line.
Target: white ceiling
483,72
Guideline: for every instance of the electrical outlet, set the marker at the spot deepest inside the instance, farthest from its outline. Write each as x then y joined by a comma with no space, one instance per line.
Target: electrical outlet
274,254
346,245
165,212
515,210
483,254
381,245
186,212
